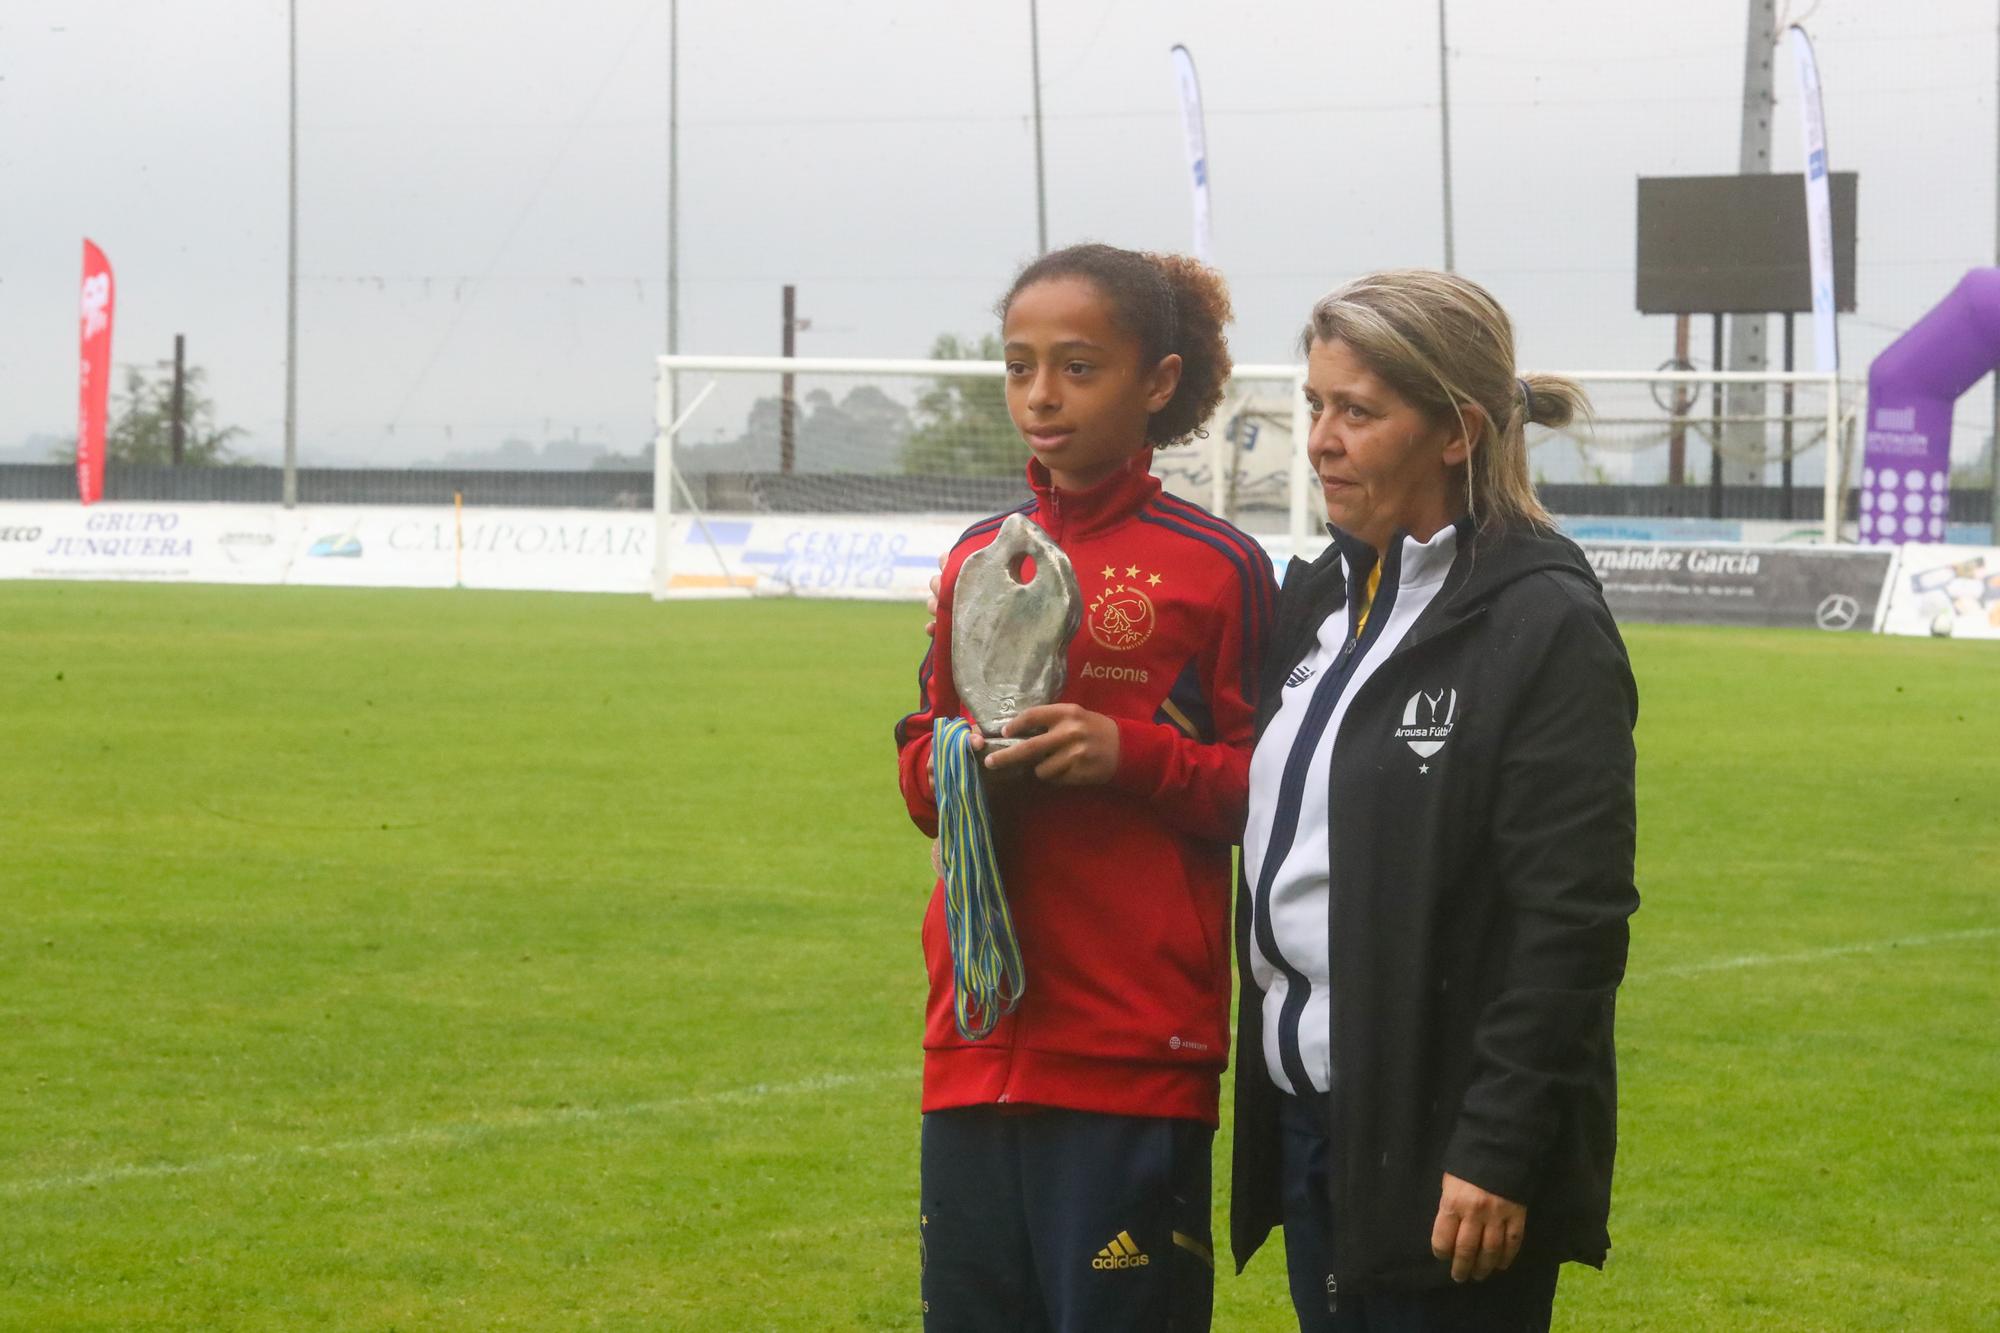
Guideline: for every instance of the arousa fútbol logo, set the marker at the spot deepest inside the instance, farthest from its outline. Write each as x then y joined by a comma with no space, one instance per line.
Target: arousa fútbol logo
1427,720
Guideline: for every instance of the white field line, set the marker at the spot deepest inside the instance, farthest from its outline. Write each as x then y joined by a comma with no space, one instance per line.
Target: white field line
464,1131
452,1134
1815,955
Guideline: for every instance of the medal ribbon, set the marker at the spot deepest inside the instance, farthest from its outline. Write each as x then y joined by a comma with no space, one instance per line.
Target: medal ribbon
986,972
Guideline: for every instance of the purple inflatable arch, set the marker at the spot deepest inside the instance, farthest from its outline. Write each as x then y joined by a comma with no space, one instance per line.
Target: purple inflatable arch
1906,468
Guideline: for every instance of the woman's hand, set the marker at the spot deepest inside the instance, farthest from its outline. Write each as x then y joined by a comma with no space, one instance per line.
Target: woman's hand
1479,1232
1074,748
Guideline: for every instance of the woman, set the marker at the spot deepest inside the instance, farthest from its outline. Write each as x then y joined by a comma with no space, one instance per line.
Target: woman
1438,863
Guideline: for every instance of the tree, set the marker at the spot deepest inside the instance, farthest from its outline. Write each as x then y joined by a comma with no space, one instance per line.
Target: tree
863,431
1976,475
142,427
963,428
866,432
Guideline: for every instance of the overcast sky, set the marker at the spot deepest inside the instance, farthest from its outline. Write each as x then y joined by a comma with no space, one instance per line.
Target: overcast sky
483,182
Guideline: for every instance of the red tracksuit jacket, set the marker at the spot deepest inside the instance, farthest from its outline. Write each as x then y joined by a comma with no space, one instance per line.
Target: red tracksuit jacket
1119,893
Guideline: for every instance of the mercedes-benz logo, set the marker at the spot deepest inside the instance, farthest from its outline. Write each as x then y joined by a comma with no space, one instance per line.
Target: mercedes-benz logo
1838,611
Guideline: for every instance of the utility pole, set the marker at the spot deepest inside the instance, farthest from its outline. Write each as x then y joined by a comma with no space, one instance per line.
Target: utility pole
291,491
180,398
1747,333
788,408
1444,130
1041,189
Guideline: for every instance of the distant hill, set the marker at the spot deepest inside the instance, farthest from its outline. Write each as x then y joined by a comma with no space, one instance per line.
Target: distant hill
40,449
518,455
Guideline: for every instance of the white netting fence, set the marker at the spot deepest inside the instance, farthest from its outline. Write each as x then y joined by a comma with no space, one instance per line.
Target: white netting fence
1677,428
930,437
884,438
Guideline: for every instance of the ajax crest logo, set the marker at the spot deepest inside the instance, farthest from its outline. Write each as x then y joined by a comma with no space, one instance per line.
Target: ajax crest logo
1121,616
1427,721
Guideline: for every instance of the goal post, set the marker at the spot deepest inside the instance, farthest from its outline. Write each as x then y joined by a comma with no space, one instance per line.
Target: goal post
1762,421
742,441
911,441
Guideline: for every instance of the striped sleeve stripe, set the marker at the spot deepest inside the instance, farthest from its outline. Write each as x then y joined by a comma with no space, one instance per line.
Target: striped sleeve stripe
1265,589
1252,604
986,525
1251,561
1262,590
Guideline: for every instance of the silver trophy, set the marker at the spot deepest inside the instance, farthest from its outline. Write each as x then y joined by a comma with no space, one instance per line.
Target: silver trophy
1009,638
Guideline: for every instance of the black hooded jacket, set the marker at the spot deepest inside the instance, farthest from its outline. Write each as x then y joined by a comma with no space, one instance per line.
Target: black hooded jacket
1477,914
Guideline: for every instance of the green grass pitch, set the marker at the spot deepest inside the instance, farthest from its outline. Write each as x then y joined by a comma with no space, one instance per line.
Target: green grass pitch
417,960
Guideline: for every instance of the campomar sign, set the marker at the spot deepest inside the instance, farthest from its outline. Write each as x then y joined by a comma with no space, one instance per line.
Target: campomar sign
1693,578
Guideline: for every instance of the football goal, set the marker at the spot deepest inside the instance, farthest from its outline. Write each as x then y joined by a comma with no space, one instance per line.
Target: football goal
930,441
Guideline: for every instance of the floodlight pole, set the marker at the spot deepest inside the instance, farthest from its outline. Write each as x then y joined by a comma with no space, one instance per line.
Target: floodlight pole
1041,189
673,178
291,490
667,382
1444,130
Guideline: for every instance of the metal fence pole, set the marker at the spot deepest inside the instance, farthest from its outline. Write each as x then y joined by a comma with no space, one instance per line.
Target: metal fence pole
1836,466
663,483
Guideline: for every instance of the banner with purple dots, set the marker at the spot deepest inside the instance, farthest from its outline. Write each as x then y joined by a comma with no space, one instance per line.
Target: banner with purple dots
1905,497
1906,469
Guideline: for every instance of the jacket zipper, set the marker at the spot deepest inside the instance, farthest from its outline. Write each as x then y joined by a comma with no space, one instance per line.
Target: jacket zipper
1055,530
1333,1074
1359,628
1360,624
1292,795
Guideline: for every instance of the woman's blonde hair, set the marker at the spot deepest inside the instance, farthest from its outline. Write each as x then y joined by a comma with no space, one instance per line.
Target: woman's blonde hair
1441,342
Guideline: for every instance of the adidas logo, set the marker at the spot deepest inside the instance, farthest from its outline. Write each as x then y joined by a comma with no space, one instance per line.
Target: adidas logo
1122,1252
1300,675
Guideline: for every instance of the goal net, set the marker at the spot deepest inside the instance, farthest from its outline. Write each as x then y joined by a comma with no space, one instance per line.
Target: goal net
1692,443
840,476
875,461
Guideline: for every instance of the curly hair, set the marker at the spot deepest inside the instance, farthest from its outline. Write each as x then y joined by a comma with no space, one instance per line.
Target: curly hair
1173,304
